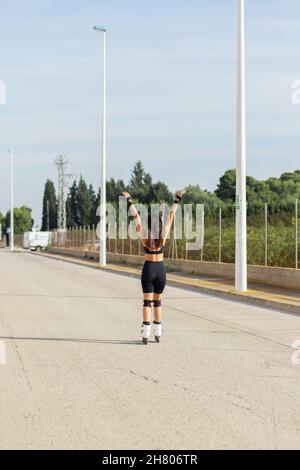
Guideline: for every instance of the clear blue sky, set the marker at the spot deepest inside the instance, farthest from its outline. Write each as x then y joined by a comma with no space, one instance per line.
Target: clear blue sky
171,90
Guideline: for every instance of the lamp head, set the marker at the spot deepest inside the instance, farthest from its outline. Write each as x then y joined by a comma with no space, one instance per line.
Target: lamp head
99,28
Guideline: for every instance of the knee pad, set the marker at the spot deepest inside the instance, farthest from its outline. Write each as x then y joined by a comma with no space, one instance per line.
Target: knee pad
147,303
156,303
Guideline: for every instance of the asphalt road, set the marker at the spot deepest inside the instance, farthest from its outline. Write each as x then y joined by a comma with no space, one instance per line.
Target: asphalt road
78,377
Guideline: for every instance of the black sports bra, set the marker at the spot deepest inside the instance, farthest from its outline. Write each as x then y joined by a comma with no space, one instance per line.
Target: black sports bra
152,252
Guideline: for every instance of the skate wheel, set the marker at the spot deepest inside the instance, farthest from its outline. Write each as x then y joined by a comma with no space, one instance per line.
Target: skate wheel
157,339
145,340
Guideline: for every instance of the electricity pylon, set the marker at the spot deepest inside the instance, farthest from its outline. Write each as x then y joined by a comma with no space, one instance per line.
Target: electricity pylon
61,163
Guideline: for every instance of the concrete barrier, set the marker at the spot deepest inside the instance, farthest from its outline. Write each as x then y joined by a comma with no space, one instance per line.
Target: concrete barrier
272,276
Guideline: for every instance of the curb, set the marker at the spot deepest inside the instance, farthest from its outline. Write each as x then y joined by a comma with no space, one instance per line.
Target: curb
184,284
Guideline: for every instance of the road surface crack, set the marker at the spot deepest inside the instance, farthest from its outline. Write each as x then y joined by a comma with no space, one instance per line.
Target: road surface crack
145,377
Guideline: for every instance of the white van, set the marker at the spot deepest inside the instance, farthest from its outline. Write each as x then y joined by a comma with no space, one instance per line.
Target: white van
27,238
36,241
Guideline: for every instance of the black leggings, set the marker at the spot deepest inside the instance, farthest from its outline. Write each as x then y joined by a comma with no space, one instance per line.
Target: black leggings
153,277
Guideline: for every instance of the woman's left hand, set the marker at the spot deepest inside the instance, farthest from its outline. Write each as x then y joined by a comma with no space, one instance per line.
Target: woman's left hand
126,194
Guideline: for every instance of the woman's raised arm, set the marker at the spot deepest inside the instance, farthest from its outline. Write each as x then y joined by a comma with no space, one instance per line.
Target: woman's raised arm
173,209
133,211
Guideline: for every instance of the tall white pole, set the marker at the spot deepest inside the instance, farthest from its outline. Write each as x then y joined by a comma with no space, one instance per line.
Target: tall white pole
11,200
241,203
220,235
102,254
296,233
103,185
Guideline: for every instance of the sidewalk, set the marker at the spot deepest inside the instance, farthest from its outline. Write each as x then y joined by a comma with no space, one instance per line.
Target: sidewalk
287,300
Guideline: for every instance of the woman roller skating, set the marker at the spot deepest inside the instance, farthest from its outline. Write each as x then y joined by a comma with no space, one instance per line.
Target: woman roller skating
154,272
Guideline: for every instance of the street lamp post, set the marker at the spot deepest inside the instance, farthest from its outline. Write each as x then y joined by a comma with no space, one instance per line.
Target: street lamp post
11,200
11,240
2,92
102,257
241,202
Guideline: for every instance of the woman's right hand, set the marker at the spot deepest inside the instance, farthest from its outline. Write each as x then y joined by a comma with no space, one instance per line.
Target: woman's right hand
126,194
180,193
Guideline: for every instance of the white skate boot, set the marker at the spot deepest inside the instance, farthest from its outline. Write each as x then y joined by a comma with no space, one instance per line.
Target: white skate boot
157,331
146,330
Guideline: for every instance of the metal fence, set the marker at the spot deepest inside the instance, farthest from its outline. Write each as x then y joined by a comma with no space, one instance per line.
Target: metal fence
273,240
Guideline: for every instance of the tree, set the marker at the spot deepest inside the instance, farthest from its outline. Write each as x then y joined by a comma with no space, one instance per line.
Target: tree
291,176
226,187
140,184
114,190
94,198
72,207
2,223
84,203
22,220
160,193
49,207
195,195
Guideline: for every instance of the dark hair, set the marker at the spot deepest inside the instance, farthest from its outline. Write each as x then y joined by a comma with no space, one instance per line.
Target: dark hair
154,230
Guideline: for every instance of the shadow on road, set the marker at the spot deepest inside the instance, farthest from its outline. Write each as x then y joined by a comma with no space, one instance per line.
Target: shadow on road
73,340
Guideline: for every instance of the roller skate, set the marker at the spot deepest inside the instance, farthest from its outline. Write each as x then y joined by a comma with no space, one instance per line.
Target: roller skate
157,331
146,330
